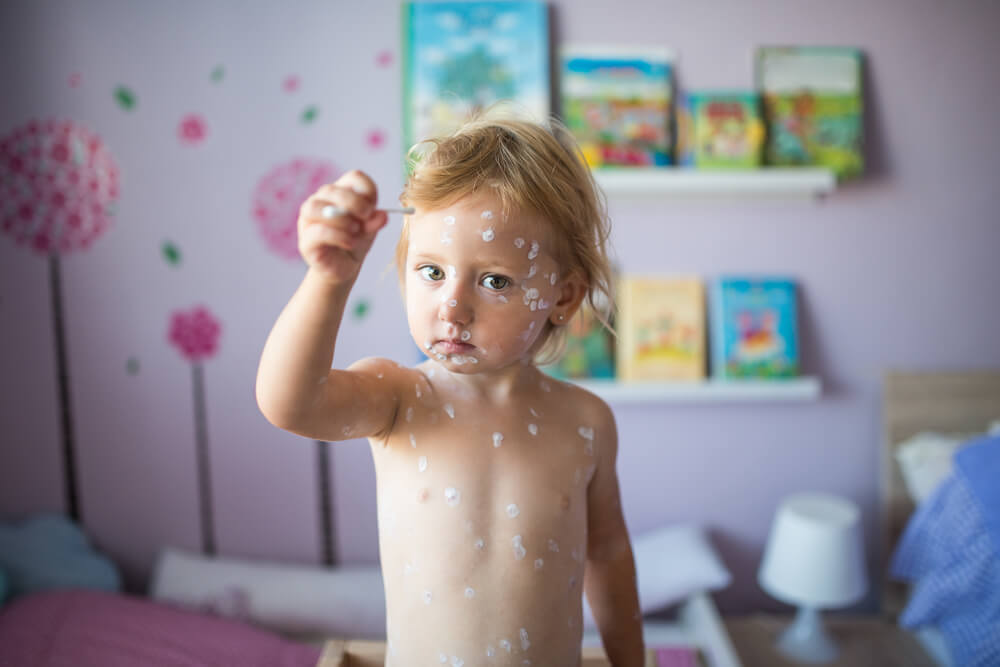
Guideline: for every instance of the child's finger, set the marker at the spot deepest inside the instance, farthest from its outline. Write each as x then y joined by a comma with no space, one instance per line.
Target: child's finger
344,199
320,234
360,183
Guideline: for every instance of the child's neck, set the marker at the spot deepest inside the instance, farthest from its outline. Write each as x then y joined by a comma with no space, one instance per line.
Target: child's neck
496,386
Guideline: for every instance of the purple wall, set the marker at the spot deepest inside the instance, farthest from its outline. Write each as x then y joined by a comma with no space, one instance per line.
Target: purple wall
899,271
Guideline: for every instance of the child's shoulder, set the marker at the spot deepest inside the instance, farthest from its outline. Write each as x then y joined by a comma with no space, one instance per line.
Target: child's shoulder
381,368
578,399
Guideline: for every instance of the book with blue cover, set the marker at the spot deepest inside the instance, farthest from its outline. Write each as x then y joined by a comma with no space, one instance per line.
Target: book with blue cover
754,328
616,100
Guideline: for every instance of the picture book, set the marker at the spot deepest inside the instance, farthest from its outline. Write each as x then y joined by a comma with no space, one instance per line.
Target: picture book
460,58
754,328
590,349
813,107
617,101
727,128
683,131
661,328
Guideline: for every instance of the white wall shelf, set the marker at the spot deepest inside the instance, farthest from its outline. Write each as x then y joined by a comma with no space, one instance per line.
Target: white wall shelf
773,182
706,391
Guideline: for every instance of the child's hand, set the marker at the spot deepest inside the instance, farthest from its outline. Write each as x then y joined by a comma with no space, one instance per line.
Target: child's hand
335,247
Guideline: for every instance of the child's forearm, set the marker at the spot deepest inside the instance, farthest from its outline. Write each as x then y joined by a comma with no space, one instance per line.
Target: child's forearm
614,600
298,353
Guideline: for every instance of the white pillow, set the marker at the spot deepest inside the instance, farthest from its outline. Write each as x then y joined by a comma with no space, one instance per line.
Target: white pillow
294,599
671,563
925,461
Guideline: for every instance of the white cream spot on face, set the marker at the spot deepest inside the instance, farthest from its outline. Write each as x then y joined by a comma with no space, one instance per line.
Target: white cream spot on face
519,242
413,441
427,597
487,215
409,414
586,432
532,270
553,278
539,563
497,439
480,544
543,304
442,658
457,662
452,303
512,510
490,652
452,496
505,645
427,346
380,375
553,546
545,385
577,554
533,253
519,551
489,234
452,272
450,409
534,413
524,640
533,429
470,592
445,238
501,298
422,463
418,390
449,220
466,335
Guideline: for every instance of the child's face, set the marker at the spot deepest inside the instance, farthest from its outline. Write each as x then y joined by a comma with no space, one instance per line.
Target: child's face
479,289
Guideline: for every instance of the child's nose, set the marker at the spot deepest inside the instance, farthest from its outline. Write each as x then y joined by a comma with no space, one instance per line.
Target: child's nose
456,305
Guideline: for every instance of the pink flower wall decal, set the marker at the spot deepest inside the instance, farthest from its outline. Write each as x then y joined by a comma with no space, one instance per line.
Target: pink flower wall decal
291,83
278,196
195,333
59,184
375,139
384,58
192,129
74,79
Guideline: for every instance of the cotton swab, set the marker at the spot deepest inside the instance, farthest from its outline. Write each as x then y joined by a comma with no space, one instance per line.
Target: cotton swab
329,211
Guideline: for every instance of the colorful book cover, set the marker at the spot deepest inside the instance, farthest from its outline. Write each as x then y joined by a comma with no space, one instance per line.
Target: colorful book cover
728,131
590,349
661,328
616,101
754,328
460,58
683,131
813,107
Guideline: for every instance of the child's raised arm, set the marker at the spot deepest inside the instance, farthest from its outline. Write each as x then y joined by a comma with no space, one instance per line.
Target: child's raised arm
296,388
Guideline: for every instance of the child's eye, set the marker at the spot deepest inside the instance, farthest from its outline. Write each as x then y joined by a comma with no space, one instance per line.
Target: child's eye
495,282
430,272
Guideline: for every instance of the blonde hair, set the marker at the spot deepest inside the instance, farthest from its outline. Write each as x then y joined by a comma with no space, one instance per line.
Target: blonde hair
527,166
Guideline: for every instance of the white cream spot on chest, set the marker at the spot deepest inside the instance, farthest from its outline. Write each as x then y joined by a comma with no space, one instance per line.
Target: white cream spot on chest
470,592
553,546
449,220
450,409
422,463
452,496
512,510
486,215
519,551
533,429
497,439
413,440
489,234
519,242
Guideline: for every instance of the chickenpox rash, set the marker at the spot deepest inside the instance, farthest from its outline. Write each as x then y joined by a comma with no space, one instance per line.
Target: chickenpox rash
519,551
452,496
533,252
533,429
486,215
450,409
413,441
512,510
449,220
422,463
518,242
489,234
409,414
497,439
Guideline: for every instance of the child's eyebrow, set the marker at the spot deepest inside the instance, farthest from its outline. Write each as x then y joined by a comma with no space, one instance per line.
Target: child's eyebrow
482,260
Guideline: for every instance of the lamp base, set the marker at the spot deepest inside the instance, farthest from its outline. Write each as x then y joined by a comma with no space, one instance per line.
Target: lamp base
805,640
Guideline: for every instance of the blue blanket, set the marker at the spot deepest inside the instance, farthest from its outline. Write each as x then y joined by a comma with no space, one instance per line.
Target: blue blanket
950,552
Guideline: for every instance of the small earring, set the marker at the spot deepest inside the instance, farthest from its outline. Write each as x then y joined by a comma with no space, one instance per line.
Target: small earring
562,317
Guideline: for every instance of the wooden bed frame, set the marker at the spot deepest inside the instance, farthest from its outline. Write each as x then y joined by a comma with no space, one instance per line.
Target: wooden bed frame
942,402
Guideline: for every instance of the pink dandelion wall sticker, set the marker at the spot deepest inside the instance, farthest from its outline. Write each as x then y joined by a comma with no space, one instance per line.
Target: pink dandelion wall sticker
275,207
58,188
195,334
192,129
278,196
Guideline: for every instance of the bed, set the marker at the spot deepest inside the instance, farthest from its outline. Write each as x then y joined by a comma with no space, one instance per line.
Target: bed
951,404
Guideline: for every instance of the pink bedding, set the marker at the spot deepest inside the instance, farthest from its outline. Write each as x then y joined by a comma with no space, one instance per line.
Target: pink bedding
94,629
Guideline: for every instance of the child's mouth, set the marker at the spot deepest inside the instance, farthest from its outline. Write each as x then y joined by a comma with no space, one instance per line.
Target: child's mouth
453,347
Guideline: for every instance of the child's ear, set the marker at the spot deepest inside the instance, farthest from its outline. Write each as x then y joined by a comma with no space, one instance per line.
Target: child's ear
572,292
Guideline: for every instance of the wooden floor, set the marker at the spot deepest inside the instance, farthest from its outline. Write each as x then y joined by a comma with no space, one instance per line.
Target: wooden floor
863,642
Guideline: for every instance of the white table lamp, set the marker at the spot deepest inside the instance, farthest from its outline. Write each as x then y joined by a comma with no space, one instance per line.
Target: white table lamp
814,559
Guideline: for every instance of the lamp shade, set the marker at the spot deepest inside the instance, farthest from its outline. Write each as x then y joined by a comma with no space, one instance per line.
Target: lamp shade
815,554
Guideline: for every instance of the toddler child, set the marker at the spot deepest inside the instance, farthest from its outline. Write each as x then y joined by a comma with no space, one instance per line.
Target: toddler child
498,500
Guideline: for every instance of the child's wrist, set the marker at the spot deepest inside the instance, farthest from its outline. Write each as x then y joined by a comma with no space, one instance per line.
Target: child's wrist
318,280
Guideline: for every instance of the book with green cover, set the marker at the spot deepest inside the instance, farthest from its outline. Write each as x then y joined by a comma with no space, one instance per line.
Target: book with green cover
727,128
813,107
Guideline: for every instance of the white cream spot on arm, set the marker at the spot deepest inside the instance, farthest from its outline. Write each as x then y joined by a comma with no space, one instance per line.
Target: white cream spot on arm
489,234
497,439
519,242
533,429
512,510
450,409
422,463
452,496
